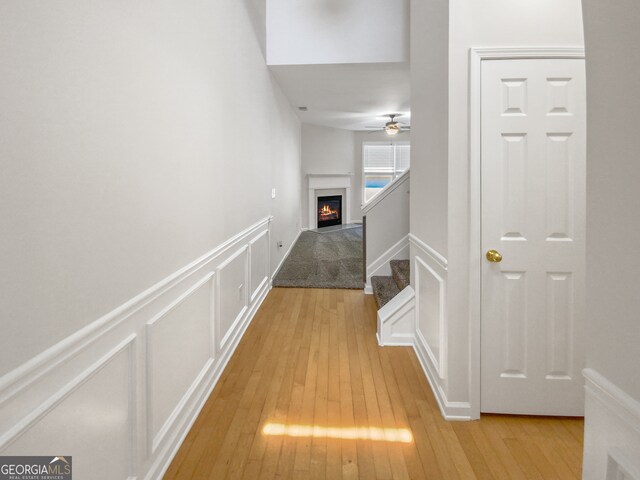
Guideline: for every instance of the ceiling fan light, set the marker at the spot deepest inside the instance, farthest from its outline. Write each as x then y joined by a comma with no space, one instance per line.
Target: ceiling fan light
392,129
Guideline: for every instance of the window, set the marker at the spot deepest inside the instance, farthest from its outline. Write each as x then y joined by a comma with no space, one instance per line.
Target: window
382,162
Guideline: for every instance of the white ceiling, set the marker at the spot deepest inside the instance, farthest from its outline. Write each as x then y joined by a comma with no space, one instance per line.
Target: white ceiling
349,96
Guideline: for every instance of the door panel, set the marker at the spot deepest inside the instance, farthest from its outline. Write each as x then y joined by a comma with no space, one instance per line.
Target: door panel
533,213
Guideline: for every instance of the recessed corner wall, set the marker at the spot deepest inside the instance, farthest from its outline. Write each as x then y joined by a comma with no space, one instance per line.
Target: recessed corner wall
327,151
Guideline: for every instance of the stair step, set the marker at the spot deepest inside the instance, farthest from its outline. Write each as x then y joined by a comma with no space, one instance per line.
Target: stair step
400,271
384,289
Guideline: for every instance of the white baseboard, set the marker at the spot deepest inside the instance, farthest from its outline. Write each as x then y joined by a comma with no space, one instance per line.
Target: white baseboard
368,289
122,358
275,272
612,431
455,411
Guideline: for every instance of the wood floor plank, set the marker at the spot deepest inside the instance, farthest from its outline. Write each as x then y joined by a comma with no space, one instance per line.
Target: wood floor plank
410,452
197,437
349,349
425,449
550,446
381,459
319,444
219,467
517,449
287,445
501,468
310,367
473,454
262,405
303,443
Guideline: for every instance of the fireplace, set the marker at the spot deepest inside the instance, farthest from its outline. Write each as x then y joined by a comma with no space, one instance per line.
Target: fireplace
329,211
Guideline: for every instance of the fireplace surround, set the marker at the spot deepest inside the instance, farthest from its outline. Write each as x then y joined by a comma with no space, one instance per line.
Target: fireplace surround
319,182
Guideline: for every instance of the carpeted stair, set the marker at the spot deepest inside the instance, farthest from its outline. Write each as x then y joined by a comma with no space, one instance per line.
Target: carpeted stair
400,273
385,288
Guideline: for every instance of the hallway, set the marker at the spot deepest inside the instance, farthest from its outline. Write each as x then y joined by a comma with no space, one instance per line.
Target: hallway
310,358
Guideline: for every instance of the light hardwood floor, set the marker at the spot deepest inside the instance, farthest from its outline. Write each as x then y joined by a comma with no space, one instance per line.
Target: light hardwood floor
310,358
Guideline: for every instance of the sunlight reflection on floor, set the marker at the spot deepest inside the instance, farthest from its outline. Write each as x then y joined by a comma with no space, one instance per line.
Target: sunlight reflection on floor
402,435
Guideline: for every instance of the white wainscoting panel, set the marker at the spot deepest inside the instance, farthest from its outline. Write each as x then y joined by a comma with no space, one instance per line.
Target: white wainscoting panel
91,419
179,350
430,312
258,263
120,395
612,431
232,300
429,269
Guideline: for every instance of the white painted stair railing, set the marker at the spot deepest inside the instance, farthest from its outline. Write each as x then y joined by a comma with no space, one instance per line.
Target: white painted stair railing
386,223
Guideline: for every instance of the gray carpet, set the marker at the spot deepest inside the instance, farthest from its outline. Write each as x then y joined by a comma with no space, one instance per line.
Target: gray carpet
336,228
400,271
387,287
384,289
330,260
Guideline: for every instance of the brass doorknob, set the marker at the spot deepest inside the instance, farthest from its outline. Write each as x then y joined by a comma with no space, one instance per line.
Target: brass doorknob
494,256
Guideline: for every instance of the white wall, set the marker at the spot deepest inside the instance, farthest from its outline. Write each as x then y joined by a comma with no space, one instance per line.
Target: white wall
328,150
125,157
121,157
429,126
335,31
613,250
613,175
494,23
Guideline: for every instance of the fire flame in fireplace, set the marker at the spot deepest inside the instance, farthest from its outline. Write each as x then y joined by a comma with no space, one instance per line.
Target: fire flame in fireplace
326,211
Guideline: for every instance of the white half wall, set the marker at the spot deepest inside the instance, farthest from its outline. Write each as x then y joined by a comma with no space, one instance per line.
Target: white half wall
357,31
612,422
387,227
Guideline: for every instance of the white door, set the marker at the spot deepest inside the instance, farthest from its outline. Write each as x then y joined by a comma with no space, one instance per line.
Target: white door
533,214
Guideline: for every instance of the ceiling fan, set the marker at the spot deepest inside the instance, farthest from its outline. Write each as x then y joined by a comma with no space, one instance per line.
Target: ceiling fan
392,127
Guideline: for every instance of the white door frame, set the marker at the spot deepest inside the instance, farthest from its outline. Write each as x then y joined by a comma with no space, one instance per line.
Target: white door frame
476,57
